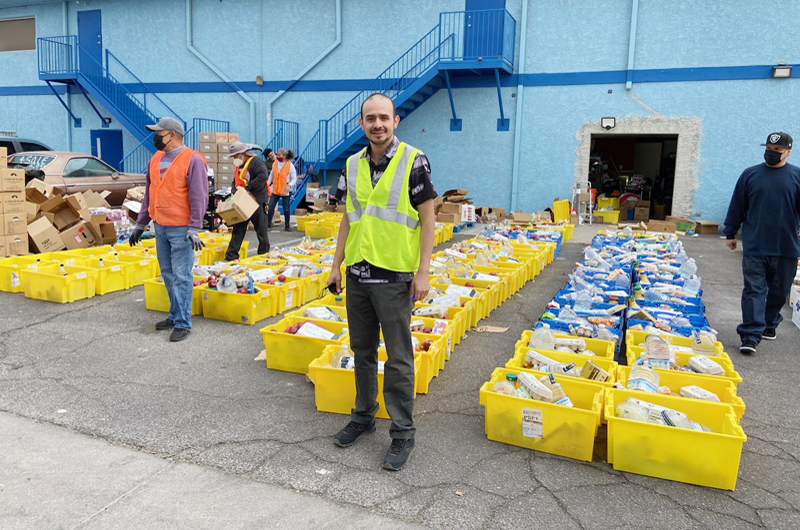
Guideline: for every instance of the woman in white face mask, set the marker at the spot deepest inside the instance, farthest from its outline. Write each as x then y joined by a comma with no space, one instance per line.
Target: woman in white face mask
251,174
281,181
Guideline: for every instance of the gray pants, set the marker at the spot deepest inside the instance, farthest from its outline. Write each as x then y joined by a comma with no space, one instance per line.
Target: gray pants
372,307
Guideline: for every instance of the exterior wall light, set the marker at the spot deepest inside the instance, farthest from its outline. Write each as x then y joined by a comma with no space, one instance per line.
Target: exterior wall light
608,123
781,71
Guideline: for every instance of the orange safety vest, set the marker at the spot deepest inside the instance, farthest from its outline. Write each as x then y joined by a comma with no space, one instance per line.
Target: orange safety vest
279,179
169,195
238,177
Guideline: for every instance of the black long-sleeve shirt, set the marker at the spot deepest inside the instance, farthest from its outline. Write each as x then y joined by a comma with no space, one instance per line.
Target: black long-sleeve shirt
256,176
766,205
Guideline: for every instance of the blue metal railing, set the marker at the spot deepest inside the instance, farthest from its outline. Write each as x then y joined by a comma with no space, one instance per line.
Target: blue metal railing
164,110
201,125
58,55
287,134
478,35
404,71
136,161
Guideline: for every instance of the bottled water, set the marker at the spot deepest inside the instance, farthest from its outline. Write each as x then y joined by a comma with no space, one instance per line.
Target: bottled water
680,321
603,333
336,360
583,300
688,268
643,378
534,388
559,396
692,285
506,386
651,295
657,352
543,338
702,343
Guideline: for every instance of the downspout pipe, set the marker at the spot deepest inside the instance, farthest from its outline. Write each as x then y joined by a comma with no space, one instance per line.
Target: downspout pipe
518,115
632,44
213,68
65,31
308,68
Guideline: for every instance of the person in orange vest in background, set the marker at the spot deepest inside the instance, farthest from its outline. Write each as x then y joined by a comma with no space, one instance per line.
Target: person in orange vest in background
251,174
175,199
281,181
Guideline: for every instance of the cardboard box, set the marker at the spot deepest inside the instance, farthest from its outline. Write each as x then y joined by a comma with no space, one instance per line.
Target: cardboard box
3,251
44,236
449,207
39,191
3,157
13,202
211,158
133,208
60,213
312,194
453,218
467,213
300,212
707,227
457,191
233,137
216,137
641,213
14,224
103,230
31,211
205,147
223,148
661,226
96,200
223,181
12,180
521,217
16,245
77,202
500,213
228,169
78,236
239,209
224,158
318,205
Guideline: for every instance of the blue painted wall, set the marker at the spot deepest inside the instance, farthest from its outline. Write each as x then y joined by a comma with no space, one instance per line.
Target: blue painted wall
588,41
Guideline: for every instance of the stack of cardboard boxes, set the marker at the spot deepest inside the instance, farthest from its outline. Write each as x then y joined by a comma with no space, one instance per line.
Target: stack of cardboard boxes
57,222
13,240
215,147
455,207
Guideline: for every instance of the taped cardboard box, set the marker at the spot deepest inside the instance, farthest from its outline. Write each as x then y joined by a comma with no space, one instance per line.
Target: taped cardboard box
12,180
224,148
211,158
521,217
44,236
12,202
707,227
78,236
500,213
239,209
452,218
96,200
16,245
661,226
14,224
207,147
450,207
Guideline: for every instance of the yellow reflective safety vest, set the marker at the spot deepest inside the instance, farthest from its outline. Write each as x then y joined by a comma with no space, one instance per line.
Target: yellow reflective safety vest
384,226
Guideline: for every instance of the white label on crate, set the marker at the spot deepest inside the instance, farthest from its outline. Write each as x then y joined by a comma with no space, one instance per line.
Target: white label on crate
143,262
314,277
205,297
70,262
289,298
532,426
80,275
14,279
115,268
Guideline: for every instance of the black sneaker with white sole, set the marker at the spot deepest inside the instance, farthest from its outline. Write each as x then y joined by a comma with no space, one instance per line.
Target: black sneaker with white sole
398,453
351,432
748,347
770,334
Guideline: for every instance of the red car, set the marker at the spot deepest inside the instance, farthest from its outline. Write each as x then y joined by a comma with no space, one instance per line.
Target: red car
74,172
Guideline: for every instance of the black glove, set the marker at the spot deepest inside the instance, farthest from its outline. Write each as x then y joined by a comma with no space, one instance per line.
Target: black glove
136,236
197,243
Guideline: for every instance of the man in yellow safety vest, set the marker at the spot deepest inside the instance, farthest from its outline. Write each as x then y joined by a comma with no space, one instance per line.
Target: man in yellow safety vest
386,240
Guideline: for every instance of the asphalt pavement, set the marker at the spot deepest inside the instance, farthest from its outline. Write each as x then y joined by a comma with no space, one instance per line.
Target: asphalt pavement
106,424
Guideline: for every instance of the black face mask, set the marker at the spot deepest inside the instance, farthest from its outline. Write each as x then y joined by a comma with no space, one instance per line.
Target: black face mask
772,158
158,141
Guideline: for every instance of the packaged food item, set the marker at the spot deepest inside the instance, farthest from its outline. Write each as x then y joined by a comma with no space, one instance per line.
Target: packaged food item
559,396
703,365
696,392
594,373
534,388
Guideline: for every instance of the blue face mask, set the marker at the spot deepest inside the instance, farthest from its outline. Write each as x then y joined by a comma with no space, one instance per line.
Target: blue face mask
772,158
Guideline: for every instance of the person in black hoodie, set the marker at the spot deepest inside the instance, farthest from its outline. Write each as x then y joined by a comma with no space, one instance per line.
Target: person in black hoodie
251,174
766,205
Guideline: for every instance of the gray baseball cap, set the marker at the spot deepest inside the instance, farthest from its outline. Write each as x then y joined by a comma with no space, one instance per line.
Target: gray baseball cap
167,124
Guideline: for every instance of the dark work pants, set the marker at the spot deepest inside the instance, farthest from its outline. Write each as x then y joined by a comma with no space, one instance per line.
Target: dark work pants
767,281
273,203
240,229
372,307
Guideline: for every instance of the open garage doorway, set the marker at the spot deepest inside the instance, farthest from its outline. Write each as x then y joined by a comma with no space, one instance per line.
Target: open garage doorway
643,165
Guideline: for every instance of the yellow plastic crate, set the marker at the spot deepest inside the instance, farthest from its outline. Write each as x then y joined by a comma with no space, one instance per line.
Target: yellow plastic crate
637,338
157,299
702,458
293,353
477,306
609,365
458,316
447,335
607,216
725,390
113,276
601,348
215,249
47,284
241,308
10,279
608,202
561,211
429,361
291,295
140,268
335,388
322,229
560,430
492,292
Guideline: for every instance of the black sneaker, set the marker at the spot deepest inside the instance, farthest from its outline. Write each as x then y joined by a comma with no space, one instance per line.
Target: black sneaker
178,334
348,436
288,229
398,453
770,334
748,347
165,324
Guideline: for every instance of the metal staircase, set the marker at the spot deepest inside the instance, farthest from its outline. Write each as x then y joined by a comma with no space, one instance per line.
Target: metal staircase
474,43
